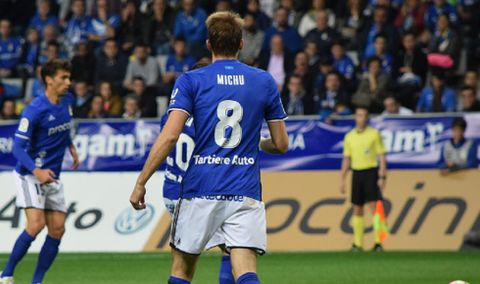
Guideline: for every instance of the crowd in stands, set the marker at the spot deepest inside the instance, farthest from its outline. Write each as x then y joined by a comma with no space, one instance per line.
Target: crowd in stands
326,56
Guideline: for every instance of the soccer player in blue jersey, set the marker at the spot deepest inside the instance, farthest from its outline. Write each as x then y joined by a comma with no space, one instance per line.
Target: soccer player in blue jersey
40,142
221,188
177,165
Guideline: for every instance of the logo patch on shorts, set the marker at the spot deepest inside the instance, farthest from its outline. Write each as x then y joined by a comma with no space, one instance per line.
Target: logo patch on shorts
23,126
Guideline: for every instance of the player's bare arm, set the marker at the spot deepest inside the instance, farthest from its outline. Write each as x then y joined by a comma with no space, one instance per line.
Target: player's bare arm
343,173
73,151
382,171
160,150
278,143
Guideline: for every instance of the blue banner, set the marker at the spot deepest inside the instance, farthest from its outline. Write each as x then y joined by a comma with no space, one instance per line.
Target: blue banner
411,142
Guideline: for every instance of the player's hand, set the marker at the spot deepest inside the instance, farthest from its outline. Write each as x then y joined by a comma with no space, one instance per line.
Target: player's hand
76,161
137,198
44,175
381,184
342,187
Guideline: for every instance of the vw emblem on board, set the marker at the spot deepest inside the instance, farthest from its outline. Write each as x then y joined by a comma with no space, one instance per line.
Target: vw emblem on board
131,221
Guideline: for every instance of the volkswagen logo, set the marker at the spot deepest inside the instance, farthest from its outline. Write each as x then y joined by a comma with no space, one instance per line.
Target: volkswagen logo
131,220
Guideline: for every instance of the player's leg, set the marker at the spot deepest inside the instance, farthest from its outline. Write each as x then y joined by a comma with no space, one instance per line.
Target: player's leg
35,223
225,275
244,264
55,215
31,197
358,200
56,228
246,236
190,217
183,267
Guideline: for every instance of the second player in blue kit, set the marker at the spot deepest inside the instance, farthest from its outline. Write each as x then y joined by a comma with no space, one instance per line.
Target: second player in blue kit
40,142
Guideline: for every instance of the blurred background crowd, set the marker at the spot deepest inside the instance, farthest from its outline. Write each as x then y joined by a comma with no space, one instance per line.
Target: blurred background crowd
326,56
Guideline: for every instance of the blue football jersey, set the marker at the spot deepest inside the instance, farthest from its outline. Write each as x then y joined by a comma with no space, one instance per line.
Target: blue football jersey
46,129
229,101
178,160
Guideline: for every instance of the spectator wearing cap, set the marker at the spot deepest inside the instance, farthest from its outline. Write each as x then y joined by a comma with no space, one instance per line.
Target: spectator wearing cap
111,65
277,61
43,17
190,25
393,107
252,40
458,153
291,39
322,34
437,8
10,50
437,97
470,102
142,65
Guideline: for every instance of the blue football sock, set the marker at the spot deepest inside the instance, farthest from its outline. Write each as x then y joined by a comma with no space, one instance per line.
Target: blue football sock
45,259
248,278
225,276
19,250
175,280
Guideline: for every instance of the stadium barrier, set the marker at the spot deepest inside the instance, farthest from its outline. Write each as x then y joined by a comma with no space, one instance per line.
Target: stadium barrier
305,210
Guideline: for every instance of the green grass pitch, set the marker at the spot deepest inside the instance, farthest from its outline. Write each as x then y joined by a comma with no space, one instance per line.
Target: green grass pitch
274,268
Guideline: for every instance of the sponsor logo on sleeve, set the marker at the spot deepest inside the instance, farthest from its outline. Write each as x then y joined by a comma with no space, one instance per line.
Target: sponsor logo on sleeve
23,126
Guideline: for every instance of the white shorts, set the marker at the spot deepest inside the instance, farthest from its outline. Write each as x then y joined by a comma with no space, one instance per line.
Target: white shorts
31,194
216,240
238,220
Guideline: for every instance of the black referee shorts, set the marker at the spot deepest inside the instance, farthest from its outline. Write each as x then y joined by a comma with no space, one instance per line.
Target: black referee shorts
365,186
